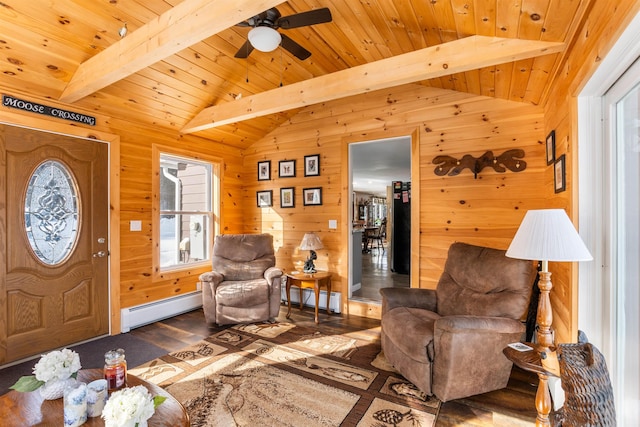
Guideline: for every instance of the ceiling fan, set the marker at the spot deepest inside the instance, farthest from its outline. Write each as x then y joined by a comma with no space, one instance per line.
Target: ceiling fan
264,37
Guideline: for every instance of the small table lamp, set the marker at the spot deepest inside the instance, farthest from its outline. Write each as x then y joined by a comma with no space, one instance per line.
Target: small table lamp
547,235
310,242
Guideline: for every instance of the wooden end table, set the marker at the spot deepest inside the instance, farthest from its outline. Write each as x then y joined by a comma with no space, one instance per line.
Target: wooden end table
531,361
309,280
30,409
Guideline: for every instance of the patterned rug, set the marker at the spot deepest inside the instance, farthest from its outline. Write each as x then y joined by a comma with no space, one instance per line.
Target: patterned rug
283,375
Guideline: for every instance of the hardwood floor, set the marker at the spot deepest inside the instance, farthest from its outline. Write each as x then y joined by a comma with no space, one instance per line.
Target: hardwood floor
512,406
376,274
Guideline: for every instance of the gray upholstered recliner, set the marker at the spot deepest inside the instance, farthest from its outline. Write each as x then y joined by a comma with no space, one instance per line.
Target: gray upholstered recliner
449,341
244,284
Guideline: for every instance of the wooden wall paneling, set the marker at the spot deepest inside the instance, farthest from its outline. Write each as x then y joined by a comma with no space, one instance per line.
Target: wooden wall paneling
138,284
592,41
477,219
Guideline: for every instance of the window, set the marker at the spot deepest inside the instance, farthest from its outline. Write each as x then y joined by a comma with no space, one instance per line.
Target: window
51,212
186,222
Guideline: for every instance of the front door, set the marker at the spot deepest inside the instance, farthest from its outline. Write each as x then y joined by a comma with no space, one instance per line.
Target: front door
54,216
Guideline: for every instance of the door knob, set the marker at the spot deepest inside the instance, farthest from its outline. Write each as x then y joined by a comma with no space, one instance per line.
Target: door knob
99,254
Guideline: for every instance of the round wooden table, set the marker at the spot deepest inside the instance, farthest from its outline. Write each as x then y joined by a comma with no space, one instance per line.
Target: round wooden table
29,409
309,280
531,361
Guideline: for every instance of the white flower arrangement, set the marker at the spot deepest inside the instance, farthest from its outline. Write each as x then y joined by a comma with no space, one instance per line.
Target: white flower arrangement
56,365
130,406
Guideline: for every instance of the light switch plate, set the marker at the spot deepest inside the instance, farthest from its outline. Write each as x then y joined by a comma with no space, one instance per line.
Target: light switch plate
135,225
333,224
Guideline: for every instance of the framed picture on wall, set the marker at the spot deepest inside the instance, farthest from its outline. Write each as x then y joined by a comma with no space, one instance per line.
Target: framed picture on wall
312,165
287,197
312,196
264,170
559,180
265,198
551,147
287,168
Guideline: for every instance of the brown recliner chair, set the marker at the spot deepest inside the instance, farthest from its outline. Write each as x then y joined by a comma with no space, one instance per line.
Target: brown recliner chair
449,341
244,284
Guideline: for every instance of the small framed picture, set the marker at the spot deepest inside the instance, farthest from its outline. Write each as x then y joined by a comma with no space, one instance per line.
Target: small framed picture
559,180
287,168
265,198
264,170
312,196
551,147
312,165
287,197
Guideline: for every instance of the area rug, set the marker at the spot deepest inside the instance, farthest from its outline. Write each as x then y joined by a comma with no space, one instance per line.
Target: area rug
285,375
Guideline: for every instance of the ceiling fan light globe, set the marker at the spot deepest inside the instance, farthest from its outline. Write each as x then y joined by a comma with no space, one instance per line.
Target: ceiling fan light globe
264,39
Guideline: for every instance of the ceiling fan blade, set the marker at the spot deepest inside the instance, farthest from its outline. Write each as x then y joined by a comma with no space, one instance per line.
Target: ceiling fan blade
245,50
293,47
302,19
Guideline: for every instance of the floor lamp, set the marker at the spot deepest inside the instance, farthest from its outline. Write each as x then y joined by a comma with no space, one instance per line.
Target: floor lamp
547,235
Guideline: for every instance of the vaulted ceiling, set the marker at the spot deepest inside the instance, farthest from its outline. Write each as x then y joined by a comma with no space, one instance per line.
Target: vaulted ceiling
176,67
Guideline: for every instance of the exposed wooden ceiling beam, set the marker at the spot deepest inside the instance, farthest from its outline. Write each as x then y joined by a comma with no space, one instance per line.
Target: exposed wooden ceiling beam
449,58
180,27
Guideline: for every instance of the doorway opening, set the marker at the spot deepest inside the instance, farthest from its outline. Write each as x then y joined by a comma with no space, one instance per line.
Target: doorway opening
380,213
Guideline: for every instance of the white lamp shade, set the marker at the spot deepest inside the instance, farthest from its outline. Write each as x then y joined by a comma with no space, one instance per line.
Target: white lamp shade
311,242
265,39
548,235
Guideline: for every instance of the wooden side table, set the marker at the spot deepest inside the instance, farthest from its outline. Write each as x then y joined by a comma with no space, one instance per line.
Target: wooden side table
530,361
309,280
30,409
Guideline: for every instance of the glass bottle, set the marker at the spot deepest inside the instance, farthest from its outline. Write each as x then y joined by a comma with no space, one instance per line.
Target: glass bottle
115,369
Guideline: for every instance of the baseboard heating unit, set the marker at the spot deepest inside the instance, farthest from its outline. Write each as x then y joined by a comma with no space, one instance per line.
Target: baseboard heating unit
140,315
309,299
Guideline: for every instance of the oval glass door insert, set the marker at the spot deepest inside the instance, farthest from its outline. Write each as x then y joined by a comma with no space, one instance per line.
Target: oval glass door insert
51,212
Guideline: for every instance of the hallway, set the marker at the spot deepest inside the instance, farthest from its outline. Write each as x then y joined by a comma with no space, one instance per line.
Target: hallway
376,275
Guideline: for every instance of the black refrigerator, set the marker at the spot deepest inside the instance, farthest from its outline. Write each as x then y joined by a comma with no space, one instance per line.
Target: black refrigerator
400,222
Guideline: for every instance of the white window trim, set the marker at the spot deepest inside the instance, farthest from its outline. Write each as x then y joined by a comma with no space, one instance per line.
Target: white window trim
596,298
216,184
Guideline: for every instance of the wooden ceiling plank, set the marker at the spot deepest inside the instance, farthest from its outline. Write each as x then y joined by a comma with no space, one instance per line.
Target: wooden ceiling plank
539,78
485,13
488,81
432,62
175,30
464,16
35,32
409,24
393,32
533,17
520,78
369,35
150,79
347,51
428,22
508,18
317,40
446,21
503,80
